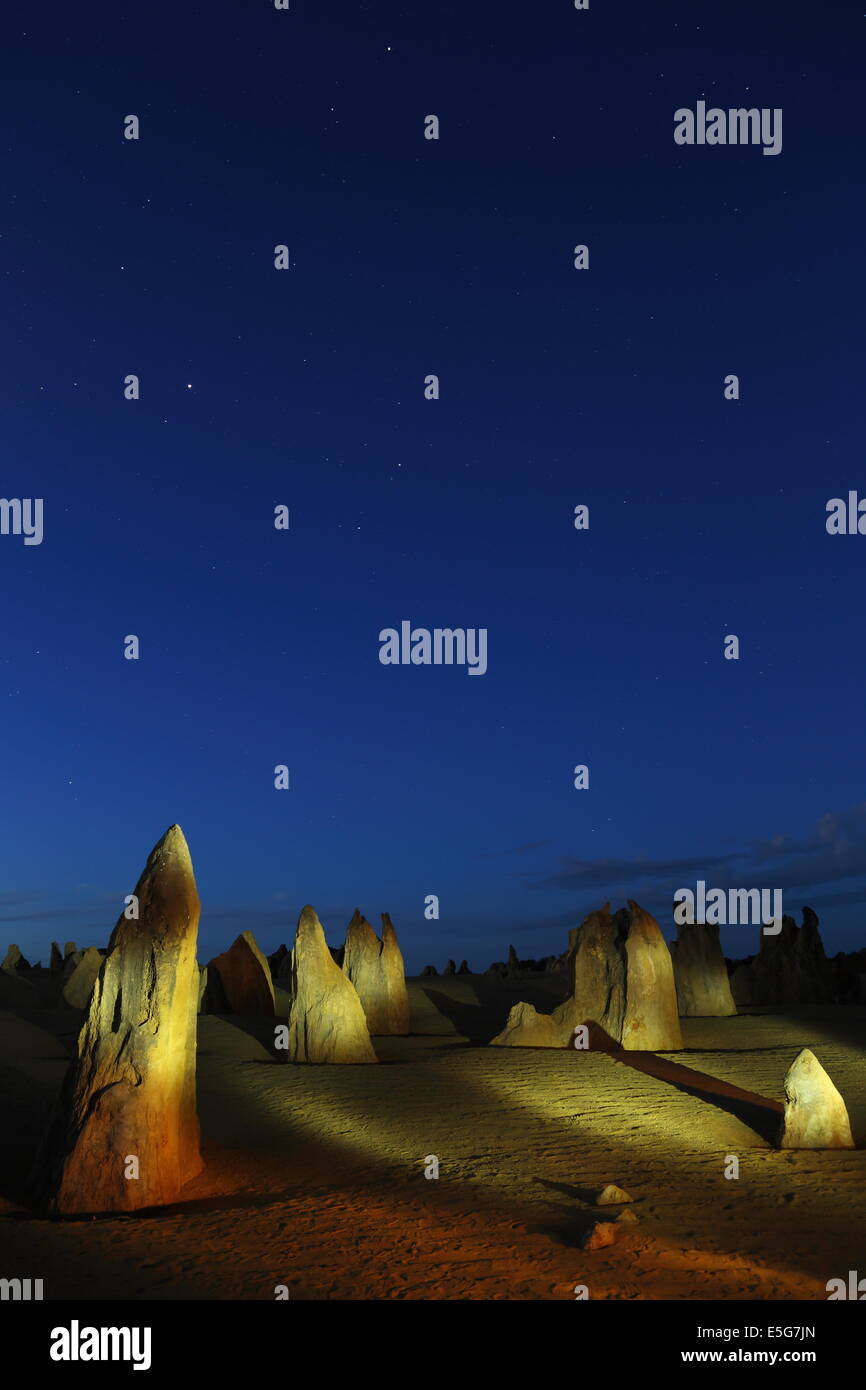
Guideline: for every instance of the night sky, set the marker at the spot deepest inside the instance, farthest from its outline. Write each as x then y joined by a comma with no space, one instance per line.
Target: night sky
305,388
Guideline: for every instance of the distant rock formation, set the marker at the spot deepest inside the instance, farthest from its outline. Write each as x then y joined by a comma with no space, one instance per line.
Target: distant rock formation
245,977
280,964
623,982
327,1022
14,961
211,995
541,965
703,989
790,968
849,969
815,1115
79,984
463,968
428,971
68,949
124,1133
56,959
450,968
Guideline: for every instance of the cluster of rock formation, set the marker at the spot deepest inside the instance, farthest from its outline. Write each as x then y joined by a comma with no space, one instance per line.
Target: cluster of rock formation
376,970
622,981
335,998
327,1021
515,966
790,968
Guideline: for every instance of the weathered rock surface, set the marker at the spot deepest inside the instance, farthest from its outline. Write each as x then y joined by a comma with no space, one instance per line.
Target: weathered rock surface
280,963
211,995
703,988
362,965
815,1115
652,1020
130,1092
790,967
598,1235
14,961
79,985
394,979
245,977
612,1196
598,993
56,959
327,1022
623,982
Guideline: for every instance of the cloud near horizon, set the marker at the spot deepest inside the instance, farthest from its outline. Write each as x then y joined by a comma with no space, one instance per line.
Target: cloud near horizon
834,850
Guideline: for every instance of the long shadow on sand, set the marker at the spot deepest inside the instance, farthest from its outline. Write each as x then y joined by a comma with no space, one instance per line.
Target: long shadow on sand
756,1111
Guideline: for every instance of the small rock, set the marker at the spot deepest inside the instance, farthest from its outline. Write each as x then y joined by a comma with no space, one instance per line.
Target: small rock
612,1196
600,1234
628,1217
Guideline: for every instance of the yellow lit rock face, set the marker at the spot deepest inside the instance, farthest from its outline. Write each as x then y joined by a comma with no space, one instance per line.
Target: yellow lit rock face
623,981
128,1103
815,1115
703,989
376,970
327,1022
79,986
652,1020
245,977
394,977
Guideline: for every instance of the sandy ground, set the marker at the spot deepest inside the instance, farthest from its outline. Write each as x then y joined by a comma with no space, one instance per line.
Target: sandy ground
314,1176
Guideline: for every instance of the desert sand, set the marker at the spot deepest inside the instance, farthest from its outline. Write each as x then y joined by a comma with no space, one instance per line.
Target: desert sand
314,1175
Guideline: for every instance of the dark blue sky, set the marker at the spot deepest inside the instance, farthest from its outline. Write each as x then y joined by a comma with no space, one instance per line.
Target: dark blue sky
558,387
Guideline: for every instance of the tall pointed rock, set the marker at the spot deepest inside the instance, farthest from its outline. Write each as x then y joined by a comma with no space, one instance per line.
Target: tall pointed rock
327,1022
128,1103
652,1020
362,966
394,976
